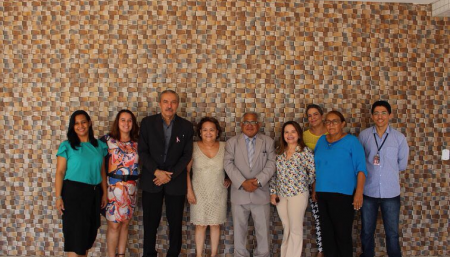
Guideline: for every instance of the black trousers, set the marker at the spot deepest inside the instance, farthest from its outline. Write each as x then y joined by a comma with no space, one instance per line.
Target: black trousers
336,219
152,205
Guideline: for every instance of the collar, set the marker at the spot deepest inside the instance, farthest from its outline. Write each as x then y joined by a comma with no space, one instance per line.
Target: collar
249,138
171,121
388,130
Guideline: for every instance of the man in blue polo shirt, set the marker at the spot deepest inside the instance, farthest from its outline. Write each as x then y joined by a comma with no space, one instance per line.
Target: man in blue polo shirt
386,152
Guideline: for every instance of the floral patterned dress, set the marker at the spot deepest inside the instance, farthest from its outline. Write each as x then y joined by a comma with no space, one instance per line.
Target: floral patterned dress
122,159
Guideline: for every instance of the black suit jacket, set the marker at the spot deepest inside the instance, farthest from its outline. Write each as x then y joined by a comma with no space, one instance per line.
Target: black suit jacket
151,153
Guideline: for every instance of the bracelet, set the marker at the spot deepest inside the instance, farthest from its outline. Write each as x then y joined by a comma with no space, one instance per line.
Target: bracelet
58,197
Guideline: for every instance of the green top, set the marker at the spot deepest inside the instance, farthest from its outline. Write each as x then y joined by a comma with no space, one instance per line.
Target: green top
84,164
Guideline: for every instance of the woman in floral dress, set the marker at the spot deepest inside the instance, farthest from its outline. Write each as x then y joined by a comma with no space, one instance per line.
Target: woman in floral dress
122,171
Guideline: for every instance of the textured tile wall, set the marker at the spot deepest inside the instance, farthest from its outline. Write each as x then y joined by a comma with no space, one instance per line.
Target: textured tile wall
224,58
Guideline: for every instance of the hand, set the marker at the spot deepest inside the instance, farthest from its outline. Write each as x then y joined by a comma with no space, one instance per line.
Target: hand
314,196
273,199
357,201
313,192
162,177
104,200
226,183
250,185
60,205
191,197
255,182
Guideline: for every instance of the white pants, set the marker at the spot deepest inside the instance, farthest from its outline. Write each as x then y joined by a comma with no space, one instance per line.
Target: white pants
292,211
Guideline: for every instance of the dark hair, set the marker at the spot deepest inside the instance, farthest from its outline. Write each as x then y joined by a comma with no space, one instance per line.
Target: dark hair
382,103
115,132
337,113
208,119
166,92
72,136
283,144
314,106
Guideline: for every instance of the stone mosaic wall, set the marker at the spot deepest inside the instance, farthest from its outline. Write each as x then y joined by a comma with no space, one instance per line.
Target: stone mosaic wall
224,58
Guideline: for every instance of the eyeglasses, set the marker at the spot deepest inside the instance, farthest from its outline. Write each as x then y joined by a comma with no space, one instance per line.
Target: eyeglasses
253,123
334,122
380,113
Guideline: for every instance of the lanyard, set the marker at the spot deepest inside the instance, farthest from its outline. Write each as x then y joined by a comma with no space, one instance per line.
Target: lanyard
376,142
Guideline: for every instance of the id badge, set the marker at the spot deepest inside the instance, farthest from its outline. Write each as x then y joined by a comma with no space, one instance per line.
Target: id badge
376,159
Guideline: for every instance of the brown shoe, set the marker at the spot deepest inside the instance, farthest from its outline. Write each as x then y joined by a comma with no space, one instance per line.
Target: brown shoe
320,254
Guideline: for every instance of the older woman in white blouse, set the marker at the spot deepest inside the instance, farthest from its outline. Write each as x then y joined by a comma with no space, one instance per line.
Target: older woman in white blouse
289,187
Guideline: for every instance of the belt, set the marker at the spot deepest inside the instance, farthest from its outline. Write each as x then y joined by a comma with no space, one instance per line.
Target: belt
123,177
80,184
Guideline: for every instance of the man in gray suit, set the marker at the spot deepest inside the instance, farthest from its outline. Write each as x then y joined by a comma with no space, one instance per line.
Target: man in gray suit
250,163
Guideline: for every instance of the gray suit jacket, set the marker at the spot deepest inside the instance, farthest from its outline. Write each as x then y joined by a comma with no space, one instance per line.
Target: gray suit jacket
238,169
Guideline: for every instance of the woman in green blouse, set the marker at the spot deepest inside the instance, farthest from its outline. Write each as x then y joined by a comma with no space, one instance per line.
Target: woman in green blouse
80,180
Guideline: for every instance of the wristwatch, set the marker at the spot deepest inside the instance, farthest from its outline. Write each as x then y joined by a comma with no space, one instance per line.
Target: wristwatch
259,183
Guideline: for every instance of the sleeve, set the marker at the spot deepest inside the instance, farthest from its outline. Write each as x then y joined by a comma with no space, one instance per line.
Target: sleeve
361,137
273,182
62,150
358,157
232,171
269,169
186,157
104,147
144,148
309,165
403,153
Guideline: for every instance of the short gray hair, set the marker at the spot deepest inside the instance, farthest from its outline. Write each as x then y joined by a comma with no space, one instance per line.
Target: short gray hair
251,113
167,91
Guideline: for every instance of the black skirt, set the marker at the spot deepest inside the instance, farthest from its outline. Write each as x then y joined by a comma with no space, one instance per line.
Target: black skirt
81,217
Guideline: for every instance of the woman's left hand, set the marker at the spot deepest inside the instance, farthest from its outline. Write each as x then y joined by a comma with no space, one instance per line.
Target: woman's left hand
104,201
357,201
226,182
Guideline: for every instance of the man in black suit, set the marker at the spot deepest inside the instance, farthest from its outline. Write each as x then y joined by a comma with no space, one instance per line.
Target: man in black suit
165,148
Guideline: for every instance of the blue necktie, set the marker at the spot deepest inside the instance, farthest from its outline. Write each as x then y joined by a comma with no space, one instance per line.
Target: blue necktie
251,150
